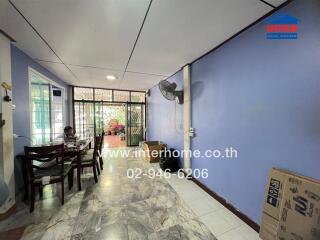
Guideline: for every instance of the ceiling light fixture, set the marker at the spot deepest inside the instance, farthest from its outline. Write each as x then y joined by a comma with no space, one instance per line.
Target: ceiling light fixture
111,77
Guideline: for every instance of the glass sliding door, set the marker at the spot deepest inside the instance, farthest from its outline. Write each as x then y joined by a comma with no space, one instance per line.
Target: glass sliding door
117,112
99,118
135,123
109,114
47,113
40,113
84,119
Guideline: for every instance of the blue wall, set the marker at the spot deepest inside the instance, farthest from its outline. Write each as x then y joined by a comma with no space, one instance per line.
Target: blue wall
165,118
262,98
20,94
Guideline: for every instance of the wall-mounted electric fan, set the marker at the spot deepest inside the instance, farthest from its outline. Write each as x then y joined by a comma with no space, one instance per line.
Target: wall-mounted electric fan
168,90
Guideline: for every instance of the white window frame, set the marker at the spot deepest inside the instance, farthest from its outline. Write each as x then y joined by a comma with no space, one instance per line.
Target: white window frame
31,72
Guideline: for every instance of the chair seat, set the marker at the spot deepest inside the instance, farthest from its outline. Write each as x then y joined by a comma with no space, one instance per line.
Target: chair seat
87,158
89,151
69,159
54,172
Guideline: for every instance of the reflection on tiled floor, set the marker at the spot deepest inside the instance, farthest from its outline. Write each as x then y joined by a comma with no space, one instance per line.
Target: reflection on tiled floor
116,208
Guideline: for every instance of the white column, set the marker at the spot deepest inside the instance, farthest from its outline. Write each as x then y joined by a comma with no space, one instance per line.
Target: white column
186,115
70,106
6,132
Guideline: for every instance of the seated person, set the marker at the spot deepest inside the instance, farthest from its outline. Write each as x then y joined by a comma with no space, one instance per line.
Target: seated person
69,134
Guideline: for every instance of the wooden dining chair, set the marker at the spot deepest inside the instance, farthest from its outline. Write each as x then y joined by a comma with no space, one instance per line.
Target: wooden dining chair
100,151
90,159
46,165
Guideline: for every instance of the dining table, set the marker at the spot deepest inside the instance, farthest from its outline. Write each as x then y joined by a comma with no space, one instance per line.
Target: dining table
74,150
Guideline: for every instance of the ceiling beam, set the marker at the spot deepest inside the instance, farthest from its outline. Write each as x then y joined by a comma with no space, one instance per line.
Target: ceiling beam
40,36
269,4
136,41
7,35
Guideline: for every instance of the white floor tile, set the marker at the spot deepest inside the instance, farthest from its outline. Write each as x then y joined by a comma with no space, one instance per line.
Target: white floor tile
243,232
232,235
248,232
216,223
204,205
221,222
232,219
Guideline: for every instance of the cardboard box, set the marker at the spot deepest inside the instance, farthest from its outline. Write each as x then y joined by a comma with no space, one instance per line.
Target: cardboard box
300,217
152,150
274,193
269,227
292,207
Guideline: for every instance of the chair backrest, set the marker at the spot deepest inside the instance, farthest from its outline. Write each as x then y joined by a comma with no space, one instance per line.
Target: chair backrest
44,158
102,138
97,146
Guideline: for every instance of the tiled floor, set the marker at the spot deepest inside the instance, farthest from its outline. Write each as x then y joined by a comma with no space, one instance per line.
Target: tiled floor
120,208
220,221
114,141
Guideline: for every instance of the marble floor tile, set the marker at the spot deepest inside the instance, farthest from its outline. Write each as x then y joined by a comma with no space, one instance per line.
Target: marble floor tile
34,231
132,230
168,210
191,230
99,202
94,222
139,214
84,224
114,231
115,208
60,230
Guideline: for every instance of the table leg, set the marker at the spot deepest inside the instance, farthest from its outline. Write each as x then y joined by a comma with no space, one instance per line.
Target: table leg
79,171
25,177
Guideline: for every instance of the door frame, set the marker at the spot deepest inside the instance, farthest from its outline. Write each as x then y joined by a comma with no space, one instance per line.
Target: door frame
129,120
113,102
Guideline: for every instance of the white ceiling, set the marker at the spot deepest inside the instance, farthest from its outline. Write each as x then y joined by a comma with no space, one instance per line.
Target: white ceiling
276,3
83,41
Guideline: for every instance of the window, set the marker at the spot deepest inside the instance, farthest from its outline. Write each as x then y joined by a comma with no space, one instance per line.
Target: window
40,101
103,95
121,96
47,109
83,93
138,96
84,119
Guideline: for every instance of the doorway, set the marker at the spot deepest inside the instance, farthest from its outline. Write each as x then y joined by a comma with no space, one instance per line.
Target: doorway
135,123
111,118
47,109
119,113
